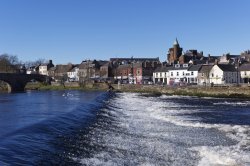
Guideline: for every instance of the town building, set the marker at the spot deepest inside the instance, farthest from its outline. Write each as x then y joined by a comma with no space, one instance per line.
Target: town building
90,70
174,53
191,56
106,73
181,75
161,75
122,61
136,73
229,59
245,56
224,74
73,74
51,72
178,74
33,70
204,74
245,73
44,68
60,73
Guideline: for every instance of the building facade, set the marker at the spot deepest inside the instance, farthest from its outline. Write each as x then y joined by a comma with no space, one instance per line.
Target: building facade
224,74
44,68
174,53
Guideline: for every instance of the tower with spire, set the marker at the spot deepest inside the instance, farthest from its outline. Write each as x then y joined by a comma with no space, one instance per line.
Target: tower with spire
174,53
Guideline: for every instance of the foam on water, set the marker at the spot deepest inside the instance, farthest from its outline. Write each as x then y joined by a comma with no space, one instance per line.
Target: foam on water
216,155
153,131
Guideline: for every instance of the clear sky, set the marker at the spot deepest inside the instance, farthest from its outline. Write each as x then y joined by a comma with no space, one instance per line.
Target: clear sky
75,30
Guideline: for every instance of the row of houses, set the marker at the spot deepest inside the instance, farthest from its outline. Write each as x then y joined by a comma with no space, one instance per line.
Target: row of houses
181,68
202,74
125,70
145,70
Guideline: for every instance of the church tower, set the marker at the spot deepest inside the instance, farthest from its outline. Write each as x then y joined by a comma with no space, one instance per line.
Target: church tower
174,53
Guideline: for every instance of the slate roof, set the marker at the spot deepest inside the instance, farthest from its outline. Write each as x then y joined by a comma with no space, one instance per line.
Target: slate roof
63,68
74,69
194,68
163,69
227,67
205,68
52,69
245,67
134,59
178,68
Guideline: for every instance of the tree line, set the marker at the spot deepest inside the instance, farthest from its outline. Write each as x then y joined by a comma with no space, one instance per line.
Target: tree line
11,63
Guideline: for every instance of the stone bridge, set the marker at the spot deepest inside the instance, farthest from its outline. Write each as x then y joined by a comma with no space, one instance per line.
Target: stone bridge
17,82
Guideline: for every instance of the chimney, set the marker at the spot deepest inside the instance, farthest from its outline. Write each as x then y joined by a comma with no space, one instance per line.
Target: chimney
216,61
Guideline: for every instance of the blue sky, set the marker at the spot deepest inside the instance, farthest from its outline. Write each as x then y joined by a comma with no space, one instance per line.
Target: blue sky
75,30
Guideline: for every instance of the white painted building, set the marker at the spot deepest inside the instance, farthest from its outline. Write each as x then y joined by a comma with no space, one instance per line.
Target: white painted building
224,74
73,75
177,75
161,75
245,73
44,68
193,74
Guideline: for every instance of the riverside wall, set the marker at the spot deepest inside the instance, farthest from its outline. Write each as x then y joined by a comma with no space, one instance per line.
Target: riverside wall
230,91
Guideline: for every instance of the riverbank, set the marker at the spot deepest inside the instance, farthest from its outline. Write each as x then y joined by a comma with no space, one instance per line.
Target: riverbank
66,86
219,92
152,90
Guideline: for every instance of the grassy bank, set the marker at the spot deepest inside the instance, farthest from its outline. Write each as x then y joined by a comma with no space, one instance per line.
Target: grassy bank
151,90
219,92
40,86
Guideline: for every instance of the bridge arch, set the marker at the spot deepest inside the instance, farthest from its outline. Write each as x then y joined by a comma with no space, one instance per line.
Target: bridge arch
8,84
17,82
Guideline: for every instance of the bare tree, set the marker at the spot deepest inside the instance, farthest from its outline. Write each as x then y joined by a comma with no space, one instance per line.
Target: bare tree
9,63
35,63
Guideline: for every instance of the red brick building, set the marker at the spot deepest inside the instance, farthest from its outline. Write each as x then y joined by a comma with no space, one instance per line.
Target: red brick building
136,73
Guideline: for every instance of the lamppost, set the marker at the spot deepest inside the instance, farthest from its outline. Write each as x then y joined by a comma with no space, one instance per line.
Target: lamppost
237,72
237,75
132,71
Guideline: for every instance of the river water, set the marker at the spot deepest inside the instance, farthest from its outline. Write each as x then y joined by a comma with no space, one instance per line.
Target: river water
100,128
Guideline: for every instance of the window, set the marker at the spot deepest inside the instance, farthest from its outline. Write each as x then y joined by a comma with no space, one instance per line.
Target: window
183,73
177,73
212,74
177,66
171,73
192,73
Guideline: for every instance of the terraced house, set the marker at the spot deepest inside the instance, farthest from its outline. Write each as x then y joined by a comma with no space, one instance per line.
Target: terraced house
179,74
224,74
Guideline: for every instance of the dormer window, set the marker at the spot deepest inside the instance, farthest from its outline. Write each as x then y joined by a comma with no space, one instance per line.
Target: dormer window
185,65
177,66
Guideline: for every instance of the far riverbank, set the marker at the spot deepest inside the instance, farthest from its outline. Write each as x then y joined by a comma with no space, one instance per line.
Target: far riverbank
155,90
221,92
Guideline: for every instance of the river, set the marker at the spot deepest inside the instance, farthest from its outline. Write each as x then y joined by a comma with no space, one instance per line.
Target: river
101,128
